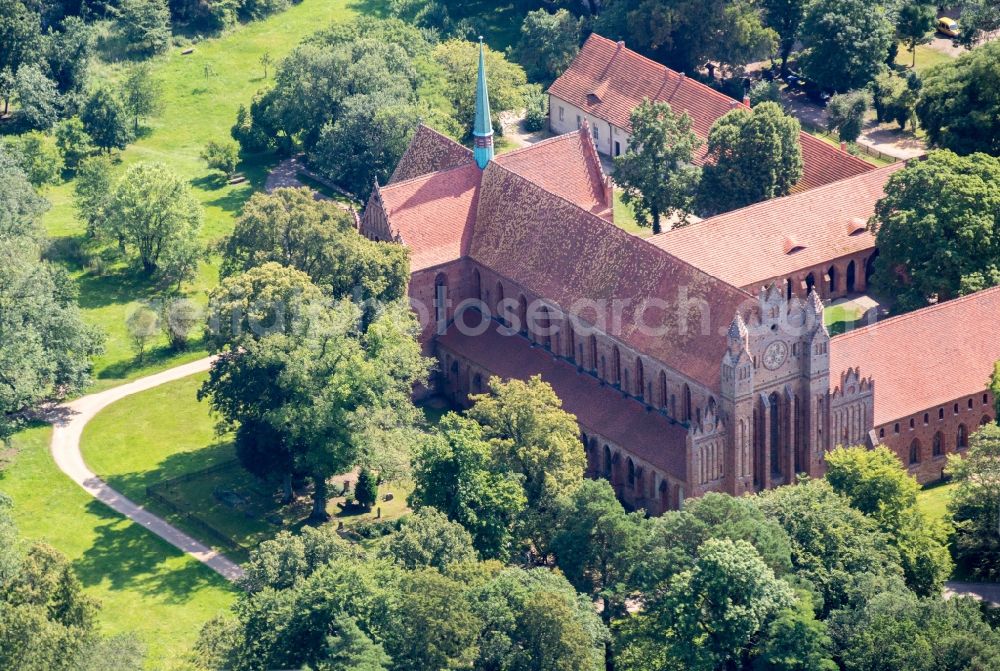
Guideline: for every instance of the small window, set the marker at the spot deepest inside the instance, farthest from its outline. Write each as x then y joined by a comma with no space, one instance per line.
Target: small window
927,417
881,432
912,424
596,134
940,413
562,113
970,404
915,452
579,121
895,428
938,445
984,399
956,408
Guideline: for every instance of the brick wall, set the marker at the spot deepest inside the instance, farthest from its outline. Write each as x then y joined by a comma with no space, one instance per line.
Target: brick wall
899,435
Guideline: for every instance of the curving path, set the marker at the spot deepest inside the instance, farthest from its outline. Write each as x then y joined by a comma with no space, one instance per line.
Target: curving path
65,446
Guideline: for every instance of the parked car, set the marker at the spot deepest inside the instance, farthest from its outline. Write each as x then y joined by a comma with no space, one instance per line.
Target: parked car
817,93
947,26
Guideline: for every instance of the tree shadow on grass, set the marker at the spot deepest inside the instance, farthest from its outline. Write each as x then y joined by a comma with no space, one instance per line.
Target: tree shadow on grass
124,286
153,360
126,556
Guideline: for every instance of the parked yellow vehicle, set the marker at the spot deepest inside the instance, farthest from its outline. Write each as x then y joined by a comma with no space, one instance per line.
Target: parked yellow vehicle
947,26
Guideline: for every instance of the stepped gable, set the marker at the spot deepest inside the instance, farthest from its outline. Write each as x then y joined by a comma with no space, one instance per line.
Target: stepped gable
433,214
566,165
598,407
778,237
924,358
429,151
566,255
608,80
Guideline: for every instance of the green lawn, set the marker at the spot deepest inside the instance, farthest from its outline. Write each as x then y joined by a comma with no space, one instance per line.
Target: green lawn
926,57
164,433
625,218
933,500
839,317
144,584
196,109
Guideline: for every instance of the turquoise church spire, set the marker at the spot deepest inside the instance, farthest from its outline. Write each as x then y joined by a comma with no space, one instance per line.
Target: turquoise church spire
483,130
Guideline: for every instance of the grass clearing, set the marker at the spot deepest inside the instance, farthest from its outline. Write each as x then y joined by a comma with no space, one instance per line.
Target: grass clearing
933,499
165,434
201,94
927,57
625,218
144,585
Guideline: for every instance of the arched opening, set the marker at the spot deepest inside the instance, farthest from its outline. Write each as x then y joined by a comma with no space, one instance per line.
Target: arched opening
664,495
477,284
593,352
788,288
663,390
499,307
870,266
640,379
775,433
631,473
937,446
441,301
810,283
570,340
477,384
832,274
759,445
607,463
686,404
850,277
616,366
915,452
962,440
544,324
522,314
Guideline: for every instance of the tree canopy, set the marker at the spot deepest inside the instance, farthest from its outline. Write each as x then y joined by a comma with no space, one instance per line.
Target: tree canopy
549,42
656,171
959,104
975,504
846,43
753,155
937,229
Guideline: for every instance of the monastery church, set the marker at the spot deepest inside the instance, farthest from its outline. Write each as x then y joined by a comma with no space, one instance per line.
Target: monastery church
696,360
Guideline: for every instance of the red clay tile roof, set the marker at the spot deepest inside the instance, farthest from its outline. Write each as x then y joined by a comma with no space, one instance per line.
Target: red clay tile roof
598,408
429,151
433,214
749,246
567,166
924,358
621,79
562,253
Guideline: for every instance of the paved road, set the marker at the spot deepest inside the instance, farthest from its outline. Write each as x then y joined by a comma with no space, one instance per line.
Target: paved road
69,423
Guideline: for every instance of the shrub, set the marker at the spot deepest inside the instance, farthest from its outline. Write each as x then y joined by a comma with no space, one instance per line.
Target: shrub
764,91
537,109
366,490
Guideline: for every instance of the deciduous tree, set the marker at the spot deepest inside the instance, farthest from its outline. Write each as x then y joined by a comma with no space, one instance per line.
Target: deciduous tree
656,171
428,539
144,25
104,119
937,229
152,210
975,503
914,25
38,100
753,155
141,93
959,103
549,43
291,227
846,43
785,18
455,472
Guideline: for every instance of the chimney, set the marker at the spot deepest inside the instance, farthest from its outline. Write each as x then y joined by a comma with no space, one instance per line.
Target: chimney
681,75
746,101
621,44
843,146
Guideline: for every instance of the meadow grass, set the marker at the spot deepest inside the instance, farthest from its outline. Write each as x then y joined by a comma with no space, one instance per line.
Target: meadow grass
161,434
144,585
201,93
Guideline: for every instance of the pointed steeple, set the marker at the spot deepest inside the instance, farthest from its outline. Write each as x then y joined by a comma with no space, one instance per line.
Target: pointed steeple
483,130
